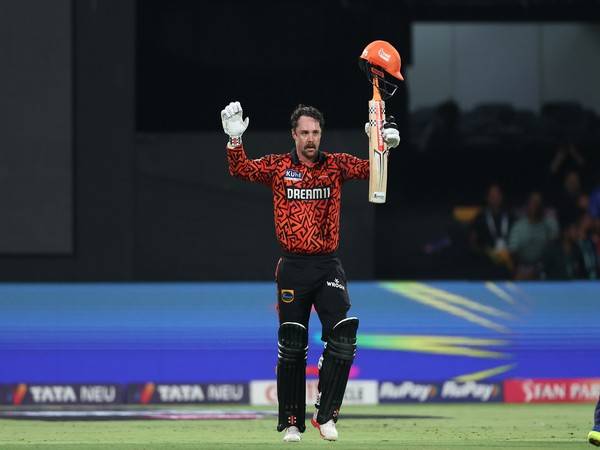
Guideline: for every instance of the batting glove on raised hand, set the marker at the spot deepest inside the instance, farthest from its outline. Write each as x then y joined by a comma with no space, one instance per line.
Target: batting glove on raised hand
390,133
233,124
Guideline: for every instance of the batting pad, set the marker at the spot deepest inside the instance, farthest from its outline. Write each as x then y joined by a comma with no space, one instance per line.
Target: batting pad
337,361
291,375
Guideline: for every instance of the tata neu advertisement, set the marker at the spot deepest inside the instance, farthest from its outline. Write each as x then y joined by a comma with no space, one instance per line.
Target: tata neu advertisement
573,390
61,394
146,393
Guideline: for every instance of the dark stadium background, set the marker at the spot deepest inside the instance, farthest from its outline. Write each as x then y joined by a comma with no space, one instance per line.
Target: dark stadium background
135,270
113,156
119,172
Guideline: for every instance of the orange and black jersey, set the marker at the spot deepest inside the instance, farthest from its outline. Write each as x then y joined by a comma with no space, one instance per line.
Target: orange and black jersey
306,200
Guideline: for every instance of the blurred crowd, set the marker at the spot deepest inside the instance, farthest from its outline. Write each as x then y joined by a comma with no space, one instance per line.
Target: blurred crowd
534,177
553,235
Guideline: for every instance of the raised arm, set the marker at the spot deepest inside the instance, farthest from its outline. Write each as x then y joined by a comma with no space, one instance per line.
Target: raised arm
257,170
352,168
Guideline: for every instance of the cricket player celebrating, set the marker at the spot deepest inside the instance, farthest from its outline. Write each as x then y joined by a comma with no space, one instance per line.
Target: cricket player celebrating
307,188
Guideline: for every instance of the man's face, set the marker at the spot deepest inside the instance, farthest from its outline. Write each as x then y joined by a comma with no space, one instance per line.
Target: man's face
495,197
534,206
307,136
572,182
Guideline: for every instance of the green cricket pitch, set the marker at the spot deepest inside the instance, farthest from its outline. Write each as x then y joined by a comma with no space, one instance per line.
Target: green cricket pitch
442,426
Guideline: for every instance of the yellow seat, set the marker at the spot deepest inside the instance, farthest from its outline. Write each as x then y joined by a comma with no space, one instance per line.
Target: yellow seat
465,214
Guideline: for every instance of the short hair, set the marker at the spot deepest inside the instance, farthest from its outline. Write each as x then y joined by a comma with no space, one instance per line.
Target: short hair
305,110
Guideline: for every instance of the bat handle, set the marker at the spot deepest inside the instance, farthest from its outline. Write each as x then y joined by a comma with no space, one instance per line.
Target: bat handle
376,94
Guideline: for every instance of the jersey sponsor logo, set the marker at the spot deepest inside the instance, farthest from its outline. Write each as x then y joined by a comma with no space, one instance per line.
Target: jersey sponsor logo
287,295
319,193
293,175
336,284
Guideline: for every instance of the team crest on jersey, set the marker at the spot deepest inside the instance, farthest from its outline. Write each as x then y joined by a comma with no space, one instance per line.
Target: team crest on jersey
287,295
292,175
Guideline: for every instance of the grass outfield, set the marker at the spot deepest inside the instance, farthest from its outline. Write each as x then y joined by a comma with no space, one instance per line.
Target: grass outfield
459,426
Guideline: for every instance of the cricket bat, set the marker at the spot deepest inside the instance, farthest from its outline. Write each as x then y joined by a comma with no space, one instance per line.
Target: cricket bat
378,151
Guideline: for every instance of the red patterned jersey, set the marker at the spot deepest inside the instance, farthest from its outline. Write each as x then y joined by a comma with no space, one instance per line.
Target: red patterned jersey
306,200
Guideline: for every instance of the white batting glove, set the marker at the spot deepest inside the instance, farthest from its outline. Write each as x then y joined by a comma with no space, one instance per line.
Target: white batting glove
390,133
391,137
233,124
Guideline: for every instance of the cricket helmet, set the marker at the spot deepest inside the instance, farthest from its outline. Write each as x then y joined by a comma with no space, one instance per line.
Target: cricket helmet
383,55
380,58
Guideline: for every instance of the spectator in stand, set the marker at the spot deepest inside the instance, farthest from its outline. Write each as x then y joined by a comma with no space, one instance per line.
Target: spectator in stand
594,204
594,212
490,230
562,259
570,200
590,260
574,255
567,157
529,237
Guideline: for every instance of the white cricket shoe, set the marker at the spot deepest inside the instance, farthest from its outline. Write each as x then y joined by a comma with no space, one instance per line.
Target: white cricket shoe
327,429
292,434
